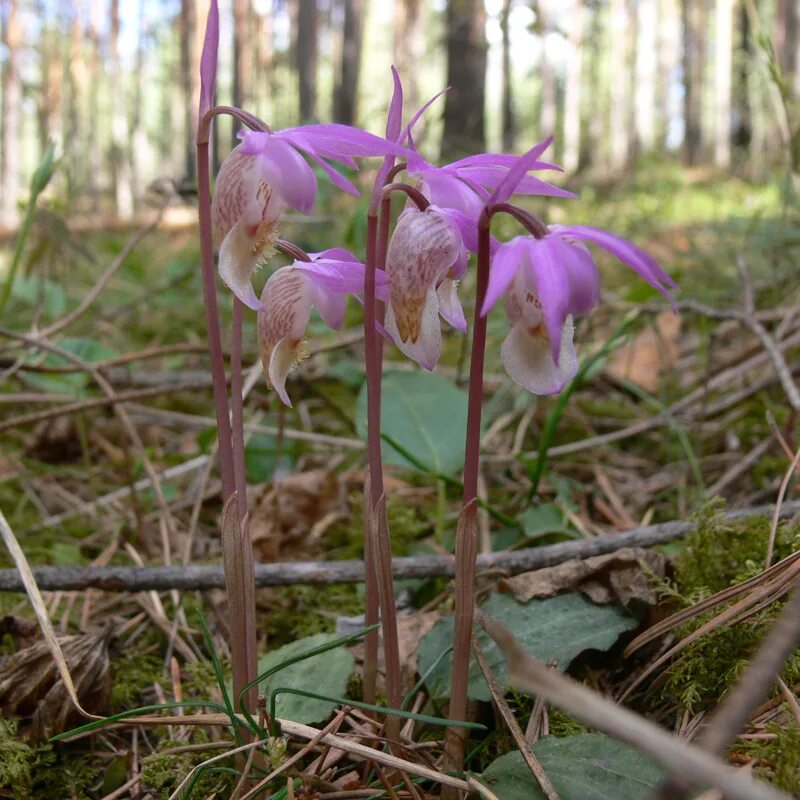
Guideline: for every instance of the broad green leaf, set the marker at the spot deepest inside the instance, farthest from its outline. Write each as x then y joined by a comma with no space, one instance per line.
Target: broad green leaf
259,457
426,414
72,383
554,629
544,520
326,673
31,290
587,766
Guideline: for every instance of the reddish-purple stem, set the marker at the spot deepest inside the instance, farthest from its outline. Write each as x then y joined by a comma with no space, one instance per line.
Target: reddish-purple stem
237,409
212,320
466,540
414,194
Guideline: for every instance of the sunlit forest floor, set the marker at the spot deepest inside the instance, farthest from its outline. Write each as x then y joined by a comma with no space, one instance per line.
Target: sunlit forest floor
680,415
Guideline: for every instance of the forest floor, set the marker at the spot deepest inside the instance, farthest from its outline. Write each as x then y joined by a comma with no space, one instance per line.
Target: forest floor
677,417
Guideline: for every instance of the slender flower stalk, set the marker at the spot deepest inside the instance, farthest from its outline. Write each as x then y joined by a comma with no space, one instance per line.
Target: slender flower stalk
238,559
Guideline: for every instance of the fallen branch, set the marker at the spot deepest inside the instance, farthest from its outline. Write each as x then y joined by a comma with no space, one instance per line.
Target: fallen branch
188,578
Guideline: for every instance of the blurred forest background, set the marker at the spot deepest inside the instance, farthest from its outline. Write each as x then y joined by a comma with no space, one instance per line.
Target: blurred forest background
115,84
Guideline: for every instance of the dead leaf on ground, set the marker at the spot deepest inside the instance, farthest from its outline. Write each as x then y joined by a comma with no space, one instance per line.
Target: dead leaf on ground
612,578
291,515
652,353
31,687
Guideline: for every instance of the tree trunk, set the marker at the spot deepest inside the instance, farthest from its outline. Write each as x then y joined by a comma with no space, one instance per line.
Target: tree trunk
723,55
95,152
139,144
595,146
12,115
508,98
572,90
693,57
51,60
242,60
464,130
646,60
408,41
346,93
188,36
547,106
120,139
787,47
620,121
669,61
306,58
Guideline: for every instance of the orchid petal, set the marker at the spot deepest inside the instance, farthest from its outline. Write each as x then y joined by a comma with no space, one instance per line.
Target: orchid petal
491,176
500,160
551,284
394,119
508,185
448,191
330,305
336,141
504,266
450,306
237,261
341,277
288,173
642,263
336,254
281,360
584,280
427,345
529,360
410,127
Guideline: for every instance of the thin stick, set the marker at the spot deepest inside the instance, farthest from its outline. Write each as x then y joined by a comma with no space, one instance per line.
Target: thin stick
699,768
202,577
534,765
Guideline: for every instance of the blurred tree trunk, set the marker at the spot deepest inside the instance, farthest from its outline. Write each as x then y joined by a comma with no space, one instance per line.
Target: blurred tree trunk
723,56
242,59
572,90
72,137
620,111
547,106
646,61
51,65
190,85
787,46
95,151
306,58
139,144
594,145
11,113
264,60
120,140
346,92
669,61
509,122
464,129
408,41
694,24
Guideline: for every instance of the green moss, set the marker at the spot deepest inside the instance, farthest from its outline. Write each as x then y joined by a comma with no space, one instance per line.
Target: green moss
15,756
718,554
778,759
134,671
563,725
163,771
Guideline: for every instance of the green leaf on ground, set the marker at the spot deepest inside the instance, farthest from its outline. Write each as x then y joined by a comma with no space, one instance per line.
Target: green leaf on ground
326,673
71,383
554,629
545,520
423,412
587,766
259,457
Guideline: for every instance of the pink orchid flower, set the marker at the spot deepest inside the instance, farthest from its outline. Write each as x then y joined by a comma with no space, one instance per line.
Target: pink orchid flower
426,255
286,303
268,171
547,282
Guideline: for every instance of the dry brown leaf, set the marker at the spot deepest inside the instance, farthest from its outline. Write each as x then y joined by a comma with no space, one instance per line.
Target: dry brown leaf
289,516
31,687
652,353
614,577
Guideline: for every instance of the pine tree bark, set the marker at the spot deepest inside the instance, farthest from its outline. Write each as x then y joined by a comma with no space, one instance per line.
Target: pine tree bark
464,129
723,65
572,90
694,18
509,123
11,115
408,42
306,58
646,55
346,92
